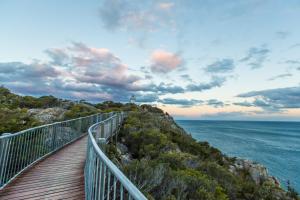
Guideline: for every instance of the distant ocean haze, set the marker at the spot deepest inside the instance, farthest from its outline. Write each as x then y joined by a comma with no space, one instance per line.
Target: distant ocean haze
276,145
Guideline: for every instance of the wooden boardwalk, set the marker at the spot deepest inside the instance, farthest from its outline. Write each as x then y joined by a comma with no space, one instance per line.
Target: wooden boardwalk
59,176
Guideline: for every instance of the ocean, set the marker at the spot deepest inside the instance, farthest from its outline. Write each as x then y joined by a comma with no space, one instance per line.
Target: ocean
276,145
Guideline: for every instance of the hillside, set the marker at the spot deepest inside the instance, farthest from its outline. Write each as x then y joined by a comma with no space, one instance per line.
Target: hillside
167,163
21,112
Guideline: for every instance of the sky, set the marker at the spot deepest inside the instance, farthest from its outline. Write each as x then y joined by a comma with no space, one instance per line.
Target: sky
195,59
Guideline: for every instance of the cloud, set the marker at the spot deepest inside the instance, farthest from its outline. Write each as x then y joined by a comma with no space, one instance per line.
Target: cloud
72,72
215,82
94,74
256,56
164,62
168,88
244,103
280,76
282,34
215,103
181,102
95,65
136,15
275,99
166,5
226,116
220,66
58,56
34,71
146,97
293,62
186,77
295,46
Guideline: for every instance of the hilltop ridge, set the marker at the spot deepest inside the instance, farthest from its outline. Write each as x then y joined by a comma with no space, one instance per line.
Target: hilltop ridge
22,112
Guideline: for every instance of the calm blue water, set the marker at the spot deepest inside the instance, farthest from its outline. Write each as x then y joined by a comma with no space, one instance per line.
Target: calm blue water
273,144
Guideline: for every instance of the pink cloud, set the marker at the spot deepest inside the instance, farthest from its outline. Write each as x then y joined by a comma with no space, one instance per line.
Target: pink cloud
163,61
165,6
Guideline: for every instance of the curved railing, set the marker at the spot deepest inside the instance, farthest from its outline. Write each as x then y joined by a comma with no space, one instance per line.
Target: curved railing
103,180
21,150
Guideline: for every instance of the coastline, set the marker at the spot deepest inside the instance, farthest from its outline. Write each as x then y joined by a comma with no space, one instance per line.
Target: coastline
248,148
155,147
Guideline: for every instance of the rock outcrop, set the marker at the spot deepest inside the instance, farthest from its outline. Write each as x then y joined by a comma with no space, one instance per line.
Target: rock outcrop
48,115
258,172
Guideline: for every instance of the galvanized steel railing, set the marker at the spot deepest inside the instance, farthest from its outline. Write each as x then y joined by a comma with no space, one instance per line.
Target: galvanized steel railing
21,150
103,180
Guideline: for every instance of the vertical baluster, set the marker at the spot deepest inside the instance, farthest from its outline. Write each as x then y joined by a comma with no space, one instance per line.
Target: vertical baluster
121,192
44,142
93,174
34,146
95,191
5,151
102,129
26,152
11,158
100,191
38,143
17,157
103,182
115,188
108,185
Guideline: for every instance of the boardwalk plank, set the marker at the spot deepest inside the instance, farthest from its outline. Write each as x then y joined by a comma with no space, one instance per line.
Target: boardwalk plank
59,176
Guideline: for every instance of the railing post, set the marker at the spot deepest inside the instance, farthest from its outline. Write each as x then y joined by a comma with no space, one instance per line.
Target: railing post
4,146
102,129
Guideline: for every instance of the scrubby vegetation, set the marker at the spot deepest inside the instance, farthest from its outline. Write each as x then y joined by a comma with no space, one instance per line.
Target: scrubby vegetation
166,163
22,112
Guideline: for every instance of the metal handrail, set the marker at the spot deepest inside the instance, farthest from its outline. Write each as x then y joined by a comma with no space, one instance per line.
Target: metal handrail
21,150
103,179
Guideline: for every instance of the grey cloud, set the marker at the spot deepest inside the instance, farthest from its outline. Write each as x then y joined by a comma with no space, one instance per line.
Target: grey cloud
134,15
58,56
215,82
146,97
168,88
148,76
280,76
275,99
186,77
215,103
256,56
181,102
293,62
282,34
226,116
19,70
295,45
244,103
111,13
221,66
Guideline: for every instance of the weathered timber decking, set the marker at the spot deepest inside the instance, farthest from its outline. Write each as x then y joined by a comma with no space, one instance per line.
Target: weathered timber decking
59,176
